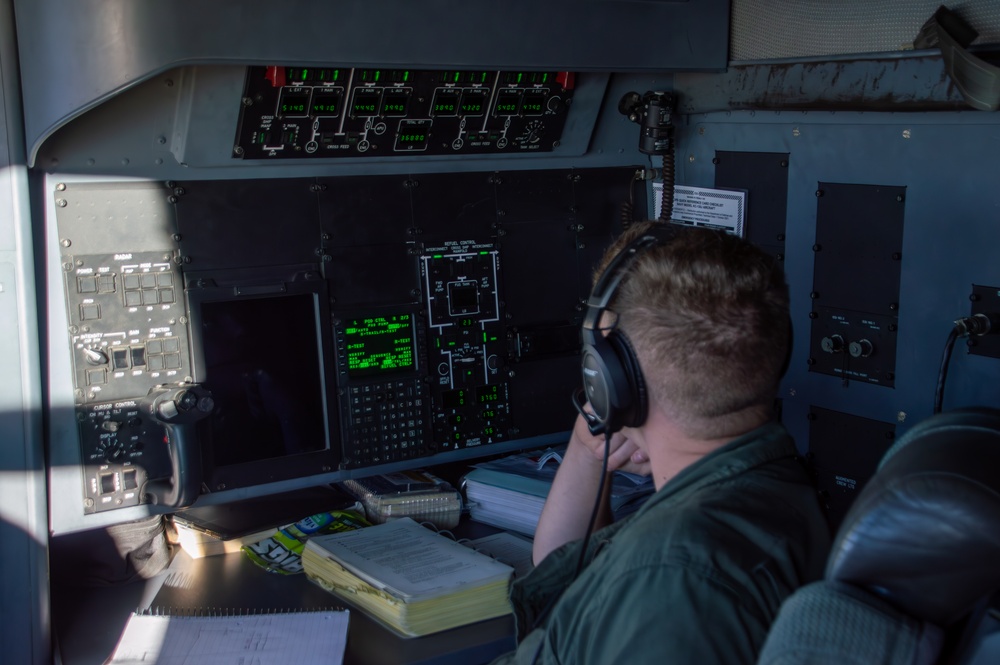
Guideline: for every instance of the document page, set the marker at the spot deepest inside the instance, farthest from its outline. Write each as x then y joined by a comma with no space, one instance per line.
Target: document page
318,636
408,560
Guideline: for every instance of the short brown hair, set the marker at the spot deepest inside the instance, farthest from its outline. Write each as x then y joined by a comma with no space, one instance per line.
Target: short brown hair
707,314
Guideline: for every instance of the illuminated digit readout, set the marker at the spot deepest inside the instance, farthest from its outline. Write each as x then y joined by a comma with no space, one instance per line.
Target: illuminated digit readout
473,102
487,394
366,102
533,103
394,105
326,104
445,102
412,135
507,103
294,103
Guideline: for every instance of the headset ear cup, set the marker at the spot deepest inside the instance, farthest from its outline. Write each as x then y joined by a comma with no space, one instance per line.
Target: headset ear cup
635,383
607,383
598,392
612,380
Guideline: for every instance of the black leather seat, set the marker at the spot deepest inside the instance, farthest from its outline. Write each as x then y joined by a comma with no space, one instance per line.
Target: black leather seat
915,561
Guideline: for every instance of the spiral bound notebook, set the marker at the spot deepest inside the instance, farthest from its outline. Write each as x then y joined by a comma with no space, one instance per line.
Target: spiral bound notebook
226,637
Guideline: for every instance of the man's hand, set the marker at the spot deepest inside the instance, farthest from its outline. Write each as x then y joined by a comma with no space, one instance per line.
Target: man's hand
624,454
567,509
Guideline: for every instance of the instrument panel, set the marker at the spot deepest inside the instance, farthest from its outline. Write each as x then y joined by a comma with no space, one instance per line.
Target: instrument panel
340,325
304,112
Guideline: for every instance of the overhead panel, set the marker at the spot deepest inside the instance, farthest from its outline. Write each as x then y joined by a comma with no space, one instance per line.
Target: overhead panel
63,76
330,111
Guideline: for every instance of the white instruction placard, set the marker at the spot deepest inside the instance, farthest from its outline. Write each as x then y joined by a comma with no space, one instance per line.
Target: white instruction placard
701,206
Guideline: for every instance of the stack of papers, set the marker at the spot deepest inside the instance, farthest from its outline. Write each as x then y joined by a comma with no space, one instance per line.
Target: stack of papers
408,577
509,492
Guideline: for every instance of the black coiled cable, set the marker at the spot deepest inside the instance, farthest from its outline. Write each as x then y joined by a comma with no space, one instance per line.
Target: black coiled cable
667,196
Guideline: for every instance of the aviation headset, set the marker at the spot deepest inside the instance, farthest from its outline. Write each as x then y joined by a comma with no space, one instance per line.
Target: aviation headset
612,379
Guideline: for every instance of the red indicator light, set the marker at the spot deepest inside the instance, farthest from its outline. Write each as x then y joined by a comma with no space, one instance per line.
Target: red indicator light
276,75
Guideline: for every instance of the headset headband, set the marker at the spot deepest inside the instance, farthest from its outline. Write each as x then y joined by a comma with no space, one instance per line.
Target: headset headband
607,284
612,377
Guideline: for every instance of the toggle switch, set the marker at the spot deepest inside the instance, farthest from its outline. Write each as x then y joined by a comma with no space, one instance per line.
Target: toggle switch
95,356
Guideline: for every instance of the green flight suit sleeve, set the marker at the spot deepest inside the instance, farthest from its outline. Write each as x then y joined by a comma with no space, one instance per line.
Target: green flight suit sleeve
659,615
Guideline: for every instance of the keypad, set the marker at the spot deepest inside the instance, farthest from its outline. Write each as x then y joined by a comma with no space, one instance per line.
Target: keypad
387,422
147,289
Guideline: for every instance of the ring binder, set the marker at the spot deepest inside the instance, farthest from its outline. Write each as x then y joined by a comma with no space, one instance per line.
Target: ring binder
164,611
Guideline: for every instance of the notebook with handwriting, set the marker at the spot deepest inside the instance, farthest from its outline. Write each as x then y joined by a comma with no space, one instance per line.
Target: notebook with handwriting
226,637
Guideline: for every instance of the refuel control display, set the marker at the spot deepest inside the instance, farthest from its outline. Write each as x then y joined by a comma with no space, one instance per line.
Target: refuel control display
302,112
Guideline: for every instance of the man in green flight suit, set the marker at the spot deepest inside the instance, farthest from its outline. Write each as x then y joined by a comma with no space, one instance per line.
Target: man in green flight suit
698,573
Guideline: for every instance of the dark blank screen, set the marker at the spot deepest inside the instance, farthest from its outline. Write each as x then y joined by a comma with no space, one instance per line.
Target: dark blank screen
262,365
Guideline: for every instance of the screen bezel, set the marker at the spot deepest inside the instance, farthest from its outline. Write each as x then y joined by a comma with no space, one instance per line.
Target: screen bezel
276,283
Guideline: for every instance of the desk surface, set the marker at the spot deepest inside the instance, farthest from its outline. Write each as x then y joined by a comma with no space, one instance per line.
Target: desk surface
89,621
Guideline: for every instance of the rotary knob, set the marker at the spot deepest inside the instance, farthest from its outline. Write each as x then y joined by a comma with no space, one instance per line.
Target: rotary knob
112,450
832,344
860,349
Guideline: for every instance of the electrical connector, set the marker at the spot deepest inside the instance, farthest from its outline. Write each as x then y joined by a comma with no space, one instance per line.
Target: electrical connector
983,323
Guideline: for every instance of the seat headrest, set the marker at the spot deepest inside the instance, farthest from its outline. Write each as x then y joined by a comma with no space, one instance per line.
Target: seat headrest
830,623
924,533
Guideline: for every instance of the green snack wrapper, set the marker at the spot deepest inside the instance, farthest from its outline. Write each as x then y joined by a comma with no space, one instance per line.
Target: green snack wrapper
281,553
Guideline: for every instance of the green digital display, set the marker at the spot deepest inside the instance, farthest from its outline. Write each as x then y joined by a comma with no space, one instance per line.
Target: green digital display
310,75
473,102
413,135
445,102
394,104
488,394
294,103
533,102
379,345
508,103
464,77
366,102
453,399
326,104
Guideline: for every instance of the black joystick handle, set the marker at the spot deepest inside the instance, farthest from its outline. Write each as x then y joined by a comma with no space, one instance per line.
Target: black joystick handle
178,407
